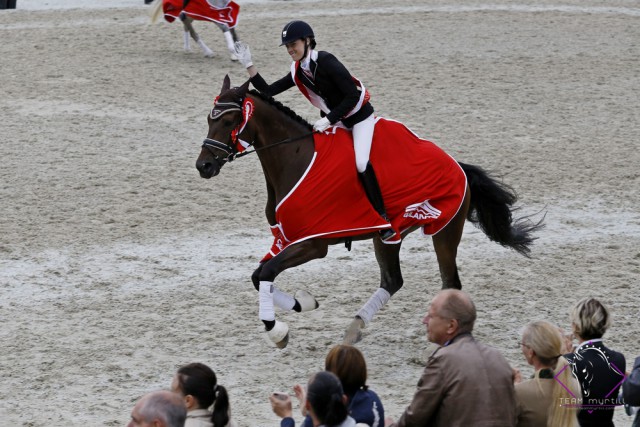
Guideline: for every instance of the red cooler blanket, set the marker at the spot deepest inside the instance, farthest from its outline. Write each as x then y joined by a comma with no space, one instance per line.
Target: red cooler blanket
421,185
201,10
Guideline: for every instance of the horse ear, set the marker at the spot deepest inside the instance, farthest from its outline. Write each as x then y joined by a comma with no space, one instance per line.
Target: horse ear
226,84
242,90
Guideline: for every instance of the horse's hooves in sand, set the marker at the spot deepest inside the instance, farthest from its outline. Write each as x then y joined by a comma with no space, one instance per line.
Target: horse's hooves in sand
306,300
279,335
353,333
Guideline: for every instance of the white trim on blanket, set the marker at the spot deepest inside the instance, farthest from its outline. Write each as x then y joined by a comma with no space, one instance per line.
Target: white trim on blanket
304,175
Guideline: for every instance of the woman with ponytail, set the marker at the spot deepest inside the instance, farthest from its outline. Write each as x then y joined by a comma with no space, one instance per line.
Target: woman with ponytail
549,398
207,401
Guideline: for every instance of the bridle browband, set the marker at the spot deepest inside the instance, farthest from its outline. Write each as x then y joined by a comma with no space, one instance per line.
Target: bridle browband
231,152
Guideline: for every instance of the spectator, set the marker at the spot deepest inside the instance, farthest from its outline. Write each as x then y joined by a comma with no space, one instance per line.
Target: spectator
325,403
539,399
349,365
598,369
159,409
198,386
631,391
465,383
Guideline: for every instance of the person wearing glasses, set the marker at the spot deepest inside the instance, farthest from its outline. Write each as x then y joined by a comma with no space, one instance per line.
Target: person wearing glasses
465,382
538,398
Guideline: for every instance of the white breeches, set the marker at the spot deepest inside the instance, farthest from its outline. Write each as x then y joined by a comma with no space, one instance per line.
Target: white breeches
362,138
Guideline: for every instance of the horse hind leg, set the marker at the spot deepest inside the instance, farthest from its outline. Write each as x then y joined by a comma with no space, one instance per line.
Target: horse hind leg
388,257
446,242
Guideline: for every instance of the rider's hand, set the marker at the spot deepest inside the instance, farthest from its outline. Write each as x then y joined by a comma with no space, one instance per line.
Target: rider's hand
321,125
243,53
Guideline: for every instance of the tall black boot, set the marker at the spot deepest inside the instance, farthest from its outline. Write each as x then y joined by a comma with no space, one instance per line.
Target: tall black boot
372,190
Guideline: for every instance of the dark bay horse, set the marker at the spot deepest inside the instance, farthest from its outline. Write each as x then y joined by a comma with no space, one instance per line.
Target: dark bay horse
285,146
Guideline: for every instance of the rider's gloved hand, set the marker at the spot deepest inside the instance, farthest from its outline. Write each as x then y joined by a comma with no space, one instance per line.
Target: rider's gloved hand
243,53
321,125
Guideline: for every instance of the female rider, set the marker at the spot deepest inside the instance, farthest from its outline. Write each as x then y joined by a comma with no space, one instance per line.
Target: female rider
329,86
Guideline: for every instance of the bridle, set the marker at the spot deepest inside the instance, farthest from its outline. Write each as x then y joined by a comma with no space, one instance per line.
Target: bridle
231,151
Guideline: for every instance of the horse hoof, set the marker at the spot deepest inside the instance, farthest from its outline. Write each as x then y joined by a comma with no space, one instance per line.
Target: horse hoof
279,335
306,300
354,332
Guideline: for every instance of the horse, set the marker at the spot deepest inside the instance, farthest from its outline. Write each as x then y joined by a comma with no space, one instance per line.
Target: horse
245,121
223,13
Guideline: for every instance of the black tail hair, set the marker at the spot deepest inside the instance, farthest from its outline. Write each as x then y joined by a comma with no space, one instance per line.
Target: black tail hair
492,211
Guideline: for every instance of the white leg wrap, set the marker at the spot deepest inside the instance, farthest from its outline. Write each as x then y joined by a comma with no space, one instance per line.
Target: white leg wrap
281,299
187,41
266,311
229,39
205,49
375,303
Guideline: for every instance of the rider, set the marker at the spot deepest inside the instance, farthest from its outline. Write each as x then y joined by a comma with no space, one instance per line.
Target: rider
329,86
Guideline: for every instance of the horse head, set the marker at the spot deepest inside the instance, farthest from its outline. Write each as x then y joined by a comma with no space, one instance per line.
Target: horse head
225,119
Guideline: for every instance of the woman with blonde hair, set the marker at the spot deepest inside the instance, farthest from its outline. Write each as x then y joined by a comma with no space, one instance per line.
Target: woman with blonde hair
547,398
598,369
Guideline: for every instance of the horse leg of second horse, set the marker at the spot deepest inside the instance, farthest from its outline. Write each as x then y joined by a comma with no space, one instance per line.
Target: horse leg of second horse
388,257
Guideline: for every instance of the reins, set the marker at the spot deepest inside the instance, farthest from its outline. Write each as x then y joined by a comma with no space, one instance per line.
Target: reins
232,155
284,141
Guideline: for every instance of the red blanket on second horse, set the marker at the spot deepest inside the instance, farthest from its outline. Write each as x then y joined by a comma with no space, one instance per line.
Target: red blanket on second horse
421,186
202,10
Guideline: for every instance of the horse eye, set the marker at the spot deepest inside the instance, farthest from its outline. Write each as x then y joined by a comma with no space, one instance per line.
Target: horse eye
227,123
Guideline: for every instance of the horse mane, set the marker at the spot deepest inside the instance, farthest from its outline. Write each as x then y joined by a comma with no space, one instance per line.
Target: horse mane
281,107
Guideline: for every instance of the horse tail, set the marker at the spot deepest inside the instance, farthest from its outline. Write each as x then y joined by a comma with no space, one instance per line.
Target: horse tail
156,11
492,210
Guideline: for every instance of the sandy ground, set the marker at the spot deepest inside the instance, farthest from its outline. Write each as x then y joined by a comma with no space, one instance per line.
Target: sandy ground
118,263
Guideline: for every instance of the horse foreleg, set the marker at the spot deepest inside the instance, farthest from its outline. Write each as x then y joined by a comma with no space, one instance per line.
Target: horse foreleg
388,257
446,242
269,295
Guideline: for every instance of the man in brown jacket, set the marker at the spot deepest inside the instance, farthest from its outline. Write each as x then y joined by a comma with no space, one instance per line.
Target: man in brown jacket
465,383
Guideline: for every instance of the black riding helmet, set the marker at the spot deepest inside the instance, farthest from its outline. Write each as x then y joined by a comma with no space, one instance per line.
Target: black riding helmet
296,30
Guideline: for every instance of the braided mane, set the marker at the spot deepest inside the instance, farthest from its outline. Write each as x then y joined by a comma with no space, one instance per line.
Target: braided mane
281,107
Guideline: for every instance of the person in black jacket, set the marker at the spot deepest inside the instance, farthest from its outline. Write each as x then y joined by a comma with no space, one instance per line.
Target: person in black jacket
598,369
631,392
328,85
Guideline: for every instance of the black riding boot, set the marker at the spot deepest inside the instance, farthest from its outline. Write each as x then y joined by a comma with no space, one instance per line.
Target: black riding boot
372,190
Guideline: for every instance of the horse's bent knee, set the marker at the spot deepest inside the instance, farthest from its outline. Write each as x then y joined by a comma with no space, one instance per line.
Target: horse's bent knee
255,277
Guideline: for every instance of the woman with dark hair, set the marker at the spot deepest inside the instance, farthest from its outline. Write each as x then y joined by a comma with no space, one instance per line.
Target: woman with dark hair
207,401
349,365
326,403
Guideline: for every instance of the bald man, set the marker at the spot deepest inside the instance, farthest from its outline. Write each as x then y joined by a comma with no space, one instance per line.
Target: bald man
159,409
465,383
